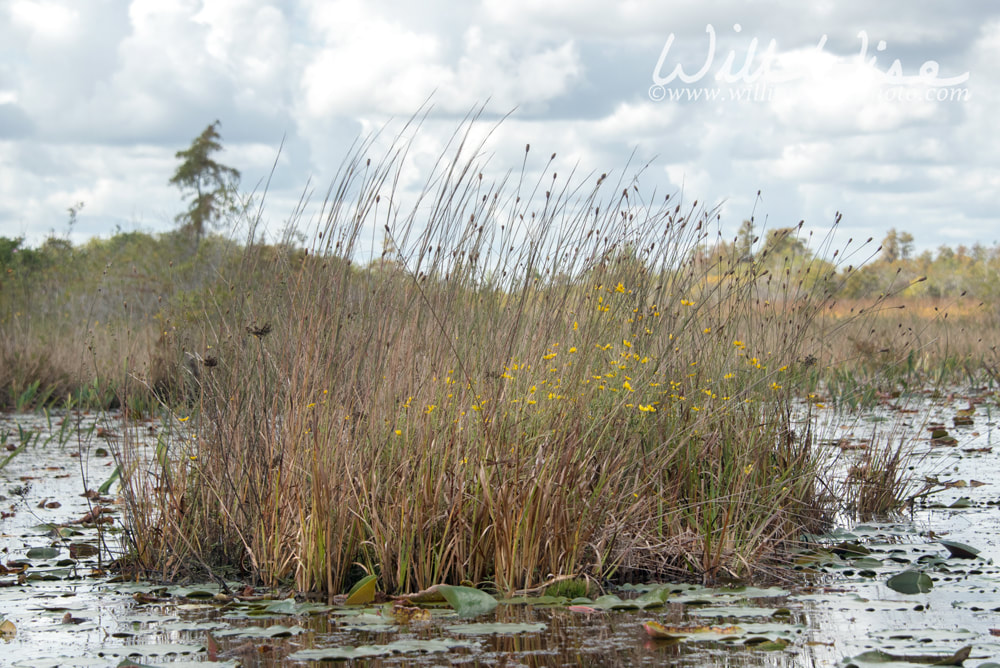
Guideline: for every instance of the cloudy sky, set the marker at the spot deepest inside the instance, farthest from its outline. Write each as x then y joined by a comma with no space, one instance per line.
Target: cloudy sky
878,110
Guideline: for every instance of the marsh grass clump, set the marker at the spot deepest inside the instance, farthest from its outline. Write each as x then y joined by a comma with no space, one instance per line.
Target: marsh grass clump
522,380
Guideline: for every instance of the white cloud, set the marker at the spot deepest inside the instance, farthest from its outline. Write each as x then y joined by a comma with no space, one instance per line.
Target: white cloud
91,92
48,21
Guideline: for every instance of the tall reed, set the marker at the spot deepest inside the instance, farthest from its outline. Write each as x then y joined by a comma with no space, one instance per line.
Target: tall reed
530,378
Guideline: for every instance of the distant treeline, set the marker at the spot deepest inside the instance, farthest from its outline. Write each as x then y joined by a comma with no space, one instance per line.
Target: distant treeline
144,268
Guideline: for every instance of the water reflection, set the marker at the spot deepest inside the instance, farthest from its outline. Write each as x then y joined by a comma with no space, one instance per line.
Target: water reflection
854,611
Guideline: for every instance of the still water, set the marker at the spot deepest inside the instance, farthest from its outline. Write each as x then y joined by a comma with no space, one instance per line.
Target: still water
60,608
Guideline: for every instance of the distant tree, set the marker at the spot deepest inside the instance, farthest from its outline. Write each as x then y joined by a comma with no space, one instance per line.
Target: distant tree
783,244
897,246
745,239
211,184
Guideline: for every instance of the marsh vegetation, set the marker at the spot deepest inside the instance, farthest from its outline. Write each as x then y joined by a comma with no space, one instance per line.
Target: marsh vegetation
498,384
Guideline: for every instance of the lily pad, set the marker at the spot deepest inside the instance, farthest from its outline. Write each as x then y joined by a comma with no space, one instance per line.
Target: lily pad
288,606
650,599
959,550
494,628
276,631
660,632
364,651
910,582
466,601
537,601
956,659
850,549
154,650
42,553
735,611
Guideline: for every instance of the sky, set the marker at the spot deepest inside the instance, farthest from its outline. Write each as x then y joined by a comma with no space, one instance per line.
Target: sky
879,111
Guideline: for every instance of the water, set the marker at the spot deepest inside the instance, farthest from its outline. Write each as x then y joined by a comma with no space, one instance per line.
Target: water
66,611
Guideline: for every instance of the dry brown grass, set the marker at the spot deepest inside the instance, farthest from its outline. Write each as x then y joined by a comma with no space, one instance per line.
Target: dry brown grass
519,387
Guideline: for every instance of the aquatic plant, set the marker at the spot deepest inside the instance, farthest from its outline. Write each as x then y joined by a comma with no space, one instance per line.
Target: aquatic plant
559,376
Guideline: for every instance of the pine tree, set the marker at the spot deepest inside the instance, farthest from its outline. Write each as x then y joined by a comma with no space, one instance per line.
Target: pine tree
211,184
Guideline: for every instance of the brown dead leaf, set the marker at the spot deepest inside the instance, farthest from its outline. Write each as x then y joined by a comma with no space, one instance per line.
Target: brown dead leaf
657,630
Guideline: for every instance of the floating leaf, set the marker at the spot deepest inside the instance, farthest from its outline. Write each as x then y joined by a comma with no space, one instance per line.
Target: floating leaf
275,631
940,436
287,606
537,600
397,647
83,550
494,628
42,553
155,650
850,549
652,599
612,602
466,601
766,644
363,591
956,659
7,629
741,611
661,632
910,582
959,550
866,562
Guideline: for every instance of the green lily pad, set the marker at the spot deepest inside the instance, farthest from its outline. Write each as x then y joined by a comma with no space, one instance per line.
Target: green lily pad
652,598
878,656
193,592
910,582
735,611
154,649
276,631
364,651
494,628
466,601
613,602
286,607
42,553
537,601
850,549
959,550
